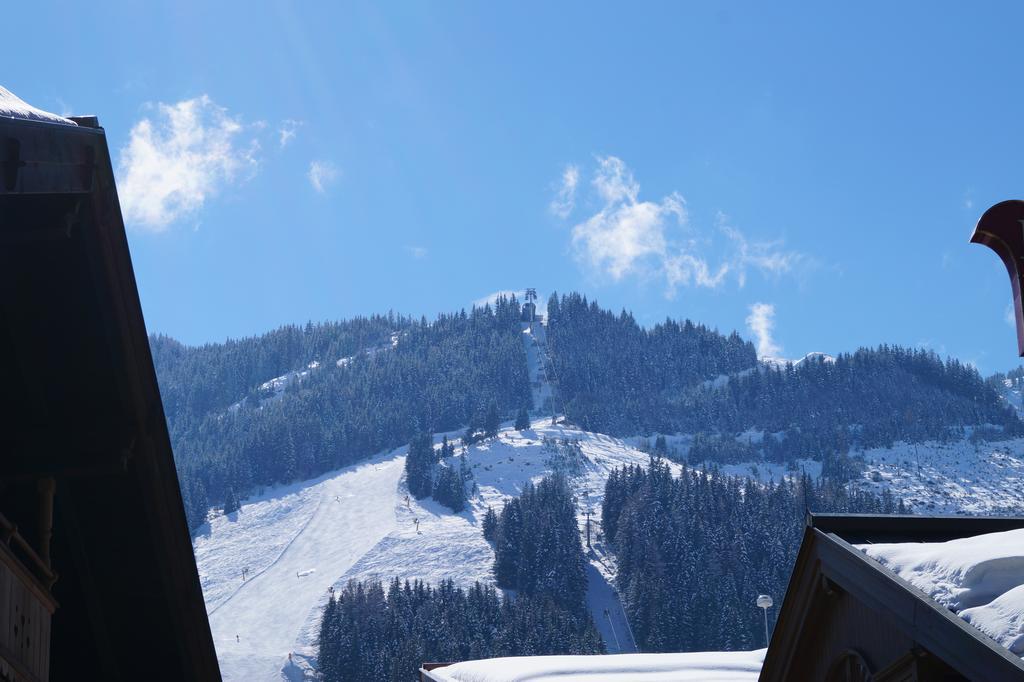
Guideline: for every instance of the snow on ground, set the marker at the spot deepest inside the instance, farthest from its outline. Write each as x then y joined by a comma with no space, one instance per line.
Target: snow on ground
764,472
709,666
959,477
782,362
255,623
980,578
343,362
252,538
536,341
273,389
950,478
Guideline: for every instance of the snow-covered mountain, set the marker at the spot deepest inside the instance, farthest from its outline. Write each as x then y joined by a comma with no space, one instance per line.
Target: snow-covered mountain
294,543
268,568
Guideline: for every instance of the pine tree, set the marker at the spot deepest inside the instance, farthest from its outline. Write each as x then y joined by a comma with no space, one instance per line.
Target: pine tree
522,420
231,502
420,463
490,525
449,489
492,422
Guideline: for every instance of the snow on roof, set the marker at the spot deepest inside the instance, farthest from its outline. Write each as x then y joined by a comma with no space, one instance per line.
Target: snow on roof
979,578
13,106
710,666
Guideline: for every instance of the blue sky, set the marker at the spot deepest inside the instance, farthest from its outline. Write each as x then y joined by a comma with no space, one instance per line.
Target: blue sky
811,172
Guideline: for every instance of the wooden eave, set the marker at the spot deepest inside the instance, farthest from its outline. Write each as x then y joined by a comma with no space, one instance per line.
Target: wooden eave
826,562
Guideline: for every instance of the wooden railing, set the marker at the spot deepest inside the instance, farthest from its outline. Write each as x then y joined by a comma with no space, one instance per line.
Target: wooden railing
30,558
26,608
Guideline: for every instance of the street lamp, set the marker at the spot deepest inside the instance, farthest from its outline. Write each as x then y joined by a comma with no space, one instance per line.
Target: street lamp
765,602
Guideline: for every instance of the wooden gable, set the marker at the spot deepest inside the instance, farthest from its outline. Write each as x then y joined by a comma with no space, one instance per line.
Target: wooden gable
845,617
87,478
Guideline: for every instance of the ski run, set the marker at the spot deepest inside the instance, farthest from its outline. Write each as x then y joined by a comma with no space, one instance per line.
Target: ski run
268,569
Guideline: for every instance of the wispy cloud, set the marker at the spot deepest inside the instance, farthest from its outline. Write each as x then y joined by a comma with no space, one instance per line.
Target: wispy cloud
1009,316
178,158
322,174
969,198
565,199
417,252
65,109
761,323
654,239
492,297
287,130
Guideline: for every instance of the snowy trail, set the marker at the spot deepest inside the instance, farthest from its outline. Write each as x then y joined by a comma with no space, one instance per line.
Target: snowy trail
269,609
535,342
608,614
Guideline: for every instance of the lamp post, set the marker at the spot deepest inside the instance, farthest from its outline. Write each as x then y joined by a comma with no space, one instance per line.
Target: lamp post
765,602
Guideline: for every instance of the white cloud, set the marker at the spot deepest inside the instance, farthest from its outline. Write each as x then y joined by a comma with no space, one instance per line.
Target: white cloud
653,239
321,174
180,157
286,131
565,200
761,323
1010,316
417,252
520,294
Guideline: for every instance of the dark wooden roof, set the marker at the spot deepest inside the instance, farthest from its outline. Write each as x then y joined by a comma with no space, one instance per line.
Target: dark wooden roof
81,405
828,563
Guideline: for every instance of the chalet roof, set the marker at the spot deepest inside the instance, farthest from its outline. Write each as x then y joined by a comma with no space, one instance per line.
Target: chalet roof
12,106
703,666
832,560
82,406
979,578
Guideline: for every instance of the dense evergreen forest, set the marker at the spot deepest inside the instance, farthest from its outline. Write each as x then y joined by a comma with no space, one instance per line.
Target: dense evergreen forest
350,389
371,633
397,378
694,551
537,549
618,378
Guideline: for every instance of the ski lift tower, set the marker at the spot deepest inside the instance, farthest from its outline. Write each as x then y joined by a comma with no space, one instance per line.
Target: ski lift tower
530,307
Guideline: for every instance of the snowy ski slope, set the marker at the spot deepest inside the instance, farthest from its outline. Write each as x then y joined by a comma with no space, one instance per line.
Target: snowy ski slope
254,622
295,542
357,524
